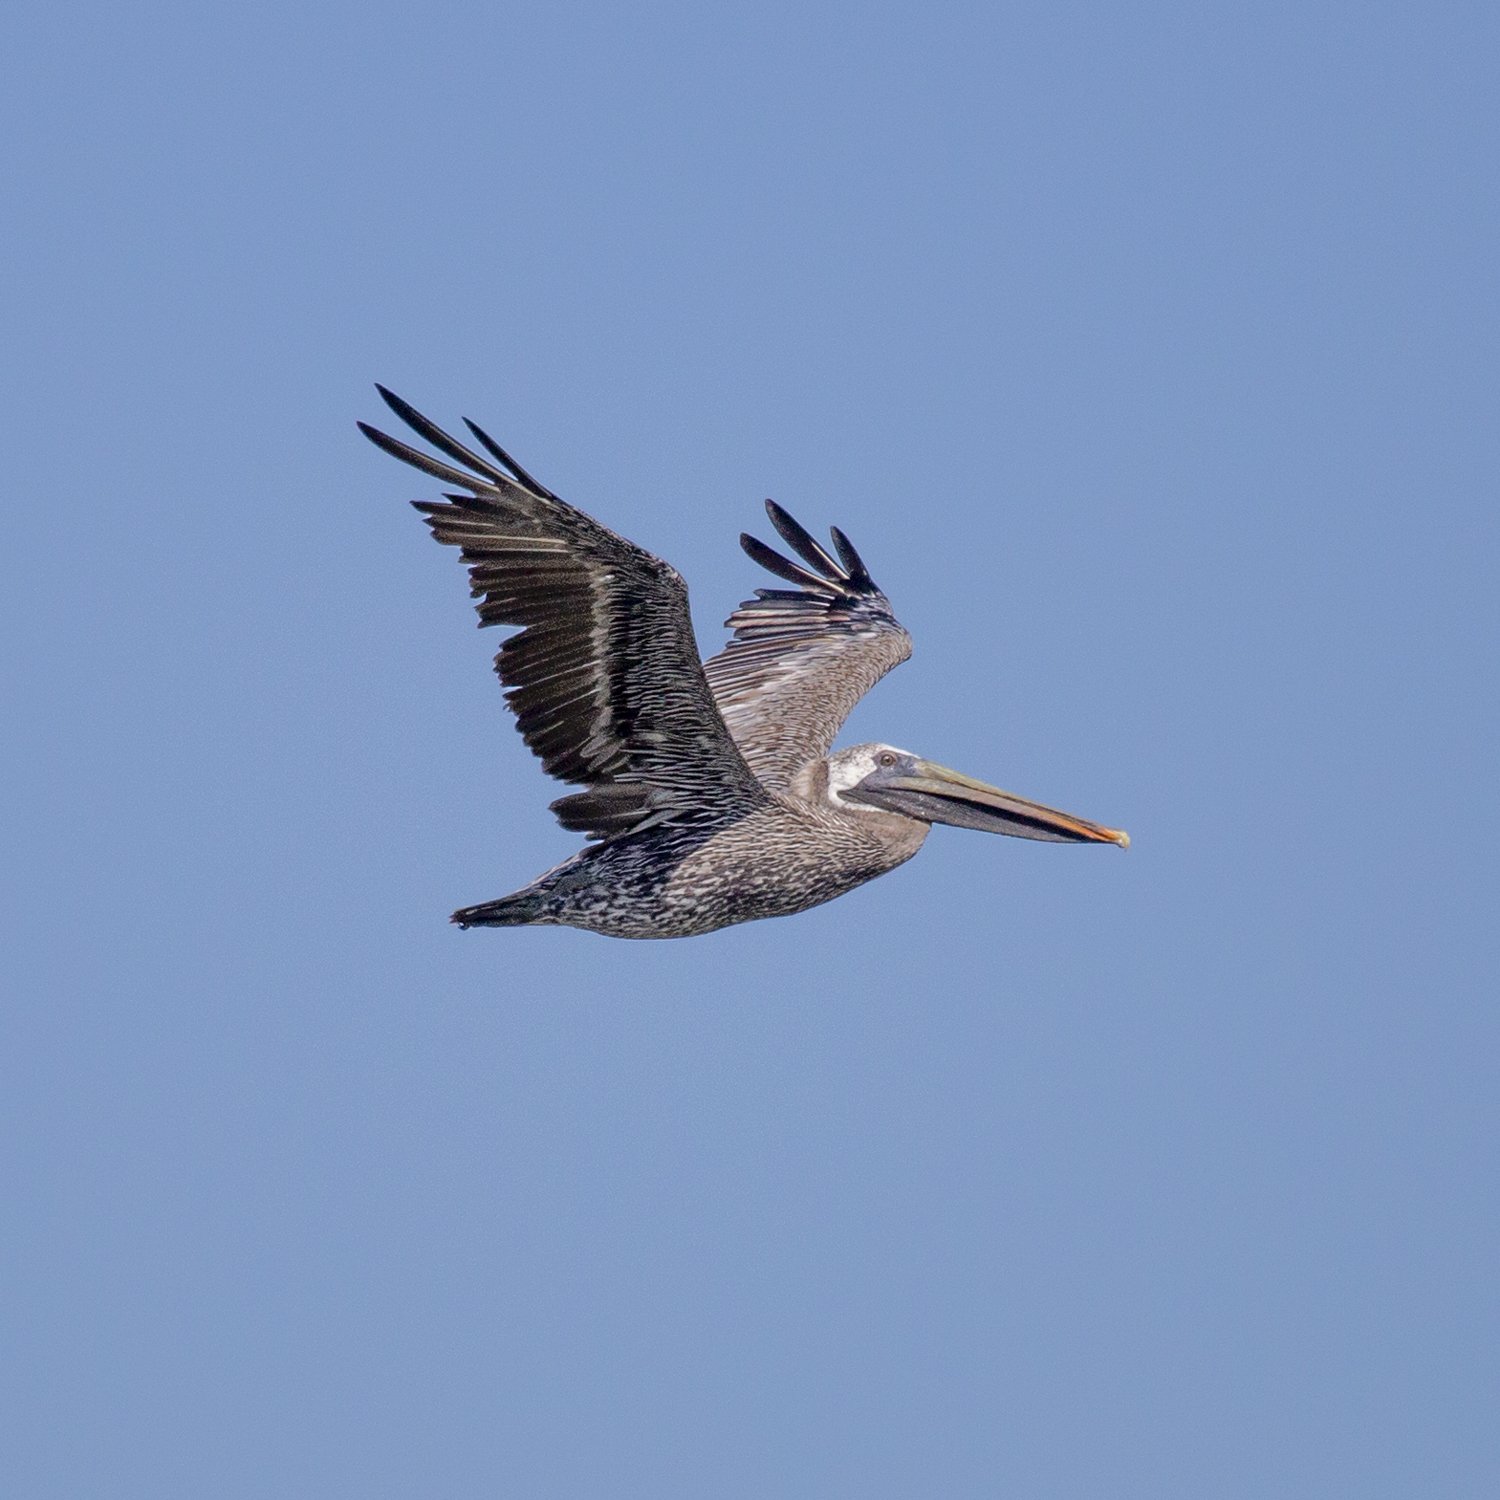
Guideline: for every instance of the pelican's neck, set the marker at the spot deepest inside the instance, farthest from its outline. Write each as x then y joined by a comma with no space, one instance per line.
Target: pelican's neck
810,784
901,836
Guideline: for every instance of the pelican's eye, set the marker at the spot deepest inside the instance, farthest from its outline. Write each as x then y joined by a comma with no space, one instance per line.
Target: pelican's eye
886,759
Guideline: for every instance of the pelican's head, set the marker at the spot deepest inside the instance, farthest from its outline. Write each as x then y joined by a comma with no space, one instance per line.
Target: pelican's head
896,781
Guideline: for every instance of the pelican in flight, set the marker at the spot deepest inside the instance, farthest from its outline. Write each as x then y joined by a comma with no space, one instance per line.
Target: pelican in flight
710,789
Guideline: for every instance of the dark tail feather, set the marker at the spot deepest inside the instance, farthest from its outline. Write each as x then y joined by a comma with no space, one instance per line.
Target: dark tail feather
519,910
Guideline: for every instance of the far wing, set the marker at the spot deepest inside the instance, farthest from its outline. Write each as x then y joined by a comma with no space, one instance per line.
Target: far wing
605,678
802,658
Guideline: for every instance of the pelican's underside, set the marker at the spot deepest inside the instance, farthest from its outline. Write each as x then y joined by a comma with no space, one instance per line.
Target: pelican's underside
685,882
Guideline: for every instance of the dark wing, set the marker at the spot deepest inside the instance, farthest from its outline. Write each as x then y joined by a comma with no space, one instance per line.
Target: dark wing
802,658
604,678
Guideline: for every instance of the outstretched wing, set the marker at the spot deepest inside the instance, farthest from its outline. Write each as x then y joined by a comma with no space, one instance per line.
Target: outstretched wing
802,658
604,677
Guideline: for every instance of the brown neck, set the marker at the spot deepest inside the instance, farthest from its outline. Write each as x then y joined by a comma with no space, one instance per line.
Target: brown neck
901,836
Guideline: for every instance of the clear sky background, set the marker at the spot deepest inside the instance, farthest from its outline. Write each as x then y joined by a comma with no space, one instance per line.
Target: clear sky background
1148,355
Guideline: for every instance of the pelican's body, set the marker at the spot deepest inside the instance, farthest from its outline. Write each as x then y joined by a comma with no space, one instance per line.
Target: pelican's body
679,881
709,787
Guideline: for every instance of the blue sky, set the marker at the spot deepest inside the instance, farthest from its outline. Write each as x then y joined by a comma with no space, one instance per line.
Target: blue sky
1148,356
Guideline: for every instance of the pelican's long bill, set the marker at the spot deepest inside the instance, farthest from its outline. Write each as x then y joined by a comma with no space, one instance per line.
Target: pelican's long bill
920,789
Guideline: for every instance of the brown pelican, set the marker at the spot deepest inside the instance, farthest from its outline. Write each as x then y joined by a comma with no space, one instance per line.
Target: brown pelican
708,787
